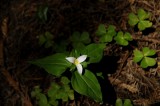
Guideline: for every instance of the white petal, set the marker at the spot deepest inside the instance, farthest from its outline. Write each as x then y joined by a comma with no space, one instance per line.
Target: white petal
71,59
82,58
79,68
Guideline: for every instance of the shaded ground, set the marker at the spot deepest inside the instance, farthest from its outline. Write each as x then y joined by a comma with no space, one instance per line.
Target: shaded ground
20,28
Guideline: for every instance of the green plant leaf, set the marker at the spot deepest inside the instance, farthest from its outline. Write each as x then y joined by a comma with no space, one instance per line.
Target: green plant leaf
120,39
48,35
111,30
71,94
79,46
119,102
127,36
53,90
127,102
94,52
101,30
147,61
75,37
105,38
87,84
42,40
144,24
48,44
133,19
42,100
55,64
143,14
138,55
85,38
42,13
65,80
148,52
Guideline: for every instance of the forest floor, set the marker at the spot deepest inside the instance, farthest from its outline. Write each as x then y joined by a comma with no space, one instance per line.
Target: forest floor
21,27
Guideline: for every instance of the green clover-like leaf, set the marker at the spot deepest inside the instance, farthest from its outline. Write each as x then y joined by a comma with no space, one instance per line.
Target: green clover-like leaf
127,102
148,52
147,61
111,30
106,38
119,102
75,36
133,19
85,38
144,24
138,55
143,14
127,36
101,30
123,39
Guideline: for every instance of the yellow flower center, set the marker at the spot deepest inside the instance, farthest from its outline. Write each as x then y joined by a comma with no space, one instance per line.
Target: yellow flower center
76,62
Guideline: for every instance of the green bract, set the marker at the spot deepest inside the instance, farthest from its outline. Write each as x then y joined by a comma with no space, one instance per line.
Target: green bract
140,19
122,39
143,57
106,35
87,84
55,64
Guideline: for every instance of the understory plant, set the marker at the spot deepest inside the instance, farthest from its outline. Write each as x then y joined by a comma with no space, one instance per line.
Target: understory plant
82,52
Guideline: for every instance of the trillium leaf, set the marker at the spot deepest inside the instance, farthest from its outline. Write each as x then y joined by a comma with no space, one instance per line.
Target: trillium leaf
55,64
101,30
133,19
147,61
144,24
148,52
87,84
94,52
138,55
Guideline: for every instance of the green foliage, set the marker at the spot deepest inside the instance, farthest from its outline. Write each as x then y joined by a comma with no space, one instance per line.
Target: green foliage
87,85
122,39
40,97
140,19
94,52
46,40
55,64
80,40
106,35
127,102
42,13
143,57
56,92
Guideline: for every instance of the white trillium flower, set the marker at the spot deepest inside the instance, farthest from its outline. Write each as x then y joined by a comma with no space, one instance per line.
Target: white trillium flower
77,62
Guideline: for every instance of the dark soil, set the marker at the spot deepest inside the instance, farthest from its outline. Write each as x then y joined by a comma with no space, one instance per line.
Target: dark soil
21,27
